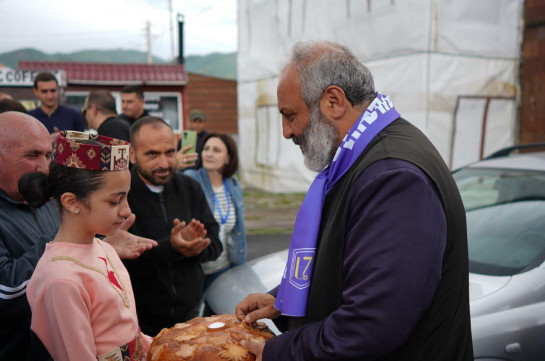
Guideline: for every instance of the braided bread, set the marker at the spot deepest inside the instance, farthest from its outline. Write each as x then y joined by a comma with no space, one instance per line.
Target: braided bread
215,338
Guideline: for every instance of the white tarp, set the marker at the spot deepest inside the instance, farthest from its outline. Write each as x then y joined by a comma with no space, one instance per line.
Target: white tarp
429,56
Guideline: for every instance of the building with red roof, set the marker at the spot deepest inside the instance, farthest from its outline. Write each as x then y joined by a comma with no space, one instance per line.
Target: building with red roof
164,85
170,92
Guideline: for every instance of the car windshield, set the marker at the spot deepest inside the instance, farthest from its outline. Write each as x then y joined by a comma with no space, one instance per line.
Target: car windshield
505,213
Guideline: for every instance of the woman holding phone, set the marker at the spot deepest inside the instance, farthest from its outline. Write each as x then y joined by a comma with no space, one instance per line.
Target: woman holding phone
214,171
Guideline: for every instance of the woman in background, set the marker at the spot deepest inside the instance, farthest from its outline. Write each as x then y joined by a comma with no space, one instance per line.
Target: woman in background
214,171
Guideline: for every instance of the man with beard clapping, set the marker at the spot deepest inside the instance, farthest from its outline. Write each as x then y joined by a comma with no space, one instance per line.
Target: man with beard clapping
168,282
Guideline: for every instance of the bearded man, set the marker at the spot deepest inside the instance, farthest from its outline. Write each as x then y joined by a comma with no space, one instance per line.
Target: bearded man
377,267
168,282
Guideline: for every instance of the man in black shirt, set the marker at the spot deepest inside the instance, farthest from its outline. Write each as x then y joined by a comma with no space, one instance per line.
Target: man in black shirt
168,282
132,104
101,115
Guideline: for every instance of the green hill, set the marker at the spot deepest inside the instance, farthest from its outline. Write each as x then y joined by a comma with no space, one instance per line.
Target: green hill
222,65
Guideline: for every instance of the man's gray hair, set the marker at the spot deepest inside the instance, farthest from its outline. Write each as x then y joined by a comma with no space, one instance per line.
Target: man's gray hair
321,64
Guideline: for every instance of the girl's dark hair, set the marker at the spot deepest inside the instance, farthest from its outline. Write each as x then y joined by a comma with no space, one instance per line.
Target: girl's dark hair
230,169
38,188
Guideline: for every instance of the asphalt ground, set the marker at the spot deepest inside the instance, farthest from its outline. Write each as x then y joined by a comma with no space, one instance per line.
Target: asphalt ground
258,245
269,220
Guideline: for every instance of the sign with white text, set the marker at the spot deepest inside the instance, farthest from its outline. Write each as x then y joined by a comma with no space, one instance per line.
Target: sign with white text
25,78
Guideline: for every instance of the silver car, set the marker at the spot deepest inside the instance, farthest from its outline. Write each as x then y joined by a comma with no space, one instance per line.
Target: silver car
504,198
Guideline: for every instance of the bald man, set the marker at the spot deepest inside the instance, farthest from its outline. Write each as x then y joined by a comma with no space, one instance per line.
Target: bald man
24,147
24,231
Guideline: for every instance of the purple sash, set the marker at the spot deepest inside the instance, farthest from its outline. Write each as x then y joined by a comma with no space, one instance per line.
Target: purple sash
292,295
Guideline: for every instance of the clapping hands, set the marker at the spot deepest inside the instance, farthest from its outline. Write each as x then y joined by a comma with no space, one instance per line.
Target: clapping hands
188,240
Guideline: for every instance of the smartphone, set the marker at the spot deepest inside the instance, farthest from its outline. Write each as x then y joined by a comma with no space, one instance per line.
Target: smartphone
189,137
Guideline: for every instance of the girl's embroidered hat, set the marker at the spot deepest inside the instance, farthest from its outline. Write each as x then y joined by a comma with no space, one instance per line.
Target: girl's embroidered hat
110,154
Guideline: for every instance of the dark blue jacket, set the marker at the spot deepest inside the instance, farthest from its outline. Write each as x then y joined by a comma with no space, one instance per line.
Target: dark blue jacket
64,118
24,231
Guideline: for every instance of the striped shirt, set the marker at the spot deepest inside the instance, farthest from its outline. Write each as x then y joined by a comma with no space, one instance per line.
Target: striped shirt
225,204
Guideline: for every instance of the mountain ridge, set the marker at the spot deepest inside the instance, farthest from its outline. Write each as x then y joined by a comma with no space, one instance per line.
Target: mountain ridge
221,65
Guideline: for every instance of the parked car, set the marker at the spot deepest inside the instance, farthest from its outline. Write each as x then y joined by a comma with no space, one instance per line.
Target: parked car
504,198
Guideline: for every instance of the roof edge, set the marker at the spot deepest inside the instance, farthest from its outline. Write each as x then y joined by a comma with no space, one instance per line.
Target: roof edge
123,82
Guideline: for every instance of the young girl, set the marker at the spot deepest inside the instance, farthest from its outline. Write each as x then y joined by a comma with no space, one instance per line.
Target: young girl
80,293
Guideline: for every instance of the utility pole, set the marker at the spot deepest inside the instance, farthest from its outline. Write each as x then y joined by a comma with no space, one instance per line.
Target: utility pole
181,19
148,37
171,30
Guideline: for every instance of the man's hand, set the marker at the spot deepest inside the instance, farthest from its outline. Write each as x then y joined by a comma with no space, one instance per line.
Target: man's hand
185,160
188,240
255,307
255,348
127,245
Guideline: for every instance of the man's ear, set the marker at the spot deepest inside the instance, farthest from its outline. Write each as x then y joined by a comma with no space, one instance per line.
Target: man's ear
333,103
70,202
132,156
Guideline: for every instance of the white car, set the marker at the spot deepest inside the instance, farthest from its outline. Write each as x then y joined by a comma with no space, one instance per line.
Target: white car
504,198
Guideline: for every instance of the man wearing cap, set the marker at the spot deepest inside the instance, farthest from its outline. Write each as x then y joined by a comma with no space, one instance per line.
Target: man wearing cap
25,147
196,123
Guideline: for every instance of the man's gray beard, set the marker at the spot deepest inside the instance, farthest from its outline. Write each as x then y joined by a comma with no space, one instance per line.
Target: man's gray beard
318,142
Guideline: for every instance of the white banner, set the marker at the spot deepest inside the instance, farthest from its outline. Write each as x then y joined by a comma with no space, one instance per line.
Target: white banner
449,50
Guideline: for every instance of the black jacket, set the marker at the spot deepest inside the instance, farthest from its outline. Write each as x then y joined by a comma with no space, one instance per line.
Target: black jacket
443,331
115,127
132,120
167,286
24,231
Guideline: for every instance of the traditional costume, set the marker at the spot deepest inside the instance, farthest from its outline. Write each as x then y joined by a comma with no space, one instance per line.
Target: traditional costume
81,296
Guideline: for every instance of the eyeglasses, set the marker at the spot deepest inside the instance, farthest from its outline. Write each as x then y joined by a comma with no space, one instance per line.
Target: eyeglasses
83,112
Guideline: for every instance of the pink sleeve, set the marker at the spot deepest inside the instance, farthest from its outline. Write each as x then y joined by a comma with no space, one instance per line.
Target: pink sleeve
60,318
146,340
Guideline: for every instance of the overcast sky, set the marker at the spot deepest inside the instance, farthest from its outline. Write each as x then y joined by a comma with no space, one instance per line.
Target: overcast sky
71,25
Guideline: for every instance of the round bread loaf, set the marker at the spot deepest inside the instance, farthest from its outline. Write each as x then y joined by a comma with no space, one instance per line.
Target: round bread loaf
215,338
